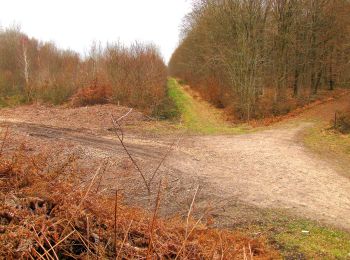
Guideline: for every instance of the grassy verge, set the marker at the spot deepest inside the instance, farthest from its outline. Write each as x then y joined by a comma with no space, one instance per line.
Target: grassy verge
198,116
329,144
297,238
313,241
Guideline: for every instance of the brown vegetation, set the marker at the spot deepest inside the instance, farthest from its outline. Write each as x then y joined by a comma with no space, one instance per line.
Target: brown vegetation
93,95
51,210
342,121
259,58
34,71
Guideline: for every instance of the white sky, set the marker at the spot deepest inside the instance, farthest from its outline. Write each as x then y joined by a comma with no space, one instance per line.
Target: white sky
75,24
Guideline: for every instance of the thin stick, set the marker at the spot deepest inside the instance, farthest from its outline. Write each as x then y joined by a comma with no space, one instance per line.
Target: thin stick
82,238
90,186
85,196
162,161
117,126
115,220
189,234
120,118
154,220
244,254
88,237
41,245
4,140
187,223
53,250
59,242
125,237
250,252
41,256
190,210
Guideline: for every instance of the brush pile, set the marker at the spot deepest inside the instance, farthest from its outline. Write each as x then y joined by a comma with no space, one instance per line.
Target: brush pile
48,211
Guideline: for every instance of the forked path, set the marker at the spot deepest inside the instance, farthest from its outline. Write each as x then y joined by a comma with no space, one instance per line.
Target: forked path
273,169
269,169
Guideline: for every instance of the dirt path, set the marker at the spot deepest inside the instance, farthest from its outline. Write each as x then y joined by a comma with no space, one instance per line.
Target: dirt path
268,169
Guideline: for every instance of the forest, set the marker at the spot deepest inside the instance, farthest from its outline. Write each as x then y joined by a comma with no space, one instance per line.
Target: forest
34,71
260,58
238,147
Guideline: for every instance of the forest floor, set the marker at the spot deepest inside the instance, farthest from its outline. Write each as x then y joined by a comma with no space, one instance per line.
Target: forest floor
247,178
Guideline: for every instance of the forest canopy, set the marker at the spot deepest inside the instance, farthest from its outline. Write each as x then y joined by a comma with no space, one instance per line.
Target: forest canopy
260,58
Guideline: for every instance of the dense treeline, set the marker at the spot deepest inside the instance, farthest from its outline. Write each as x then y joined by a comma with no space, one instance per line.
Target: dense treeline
263,57
34,71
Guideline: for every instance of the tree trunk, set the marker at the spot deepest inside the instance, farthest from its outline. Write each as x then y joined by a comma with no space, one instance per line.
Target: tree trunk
296,83
331,80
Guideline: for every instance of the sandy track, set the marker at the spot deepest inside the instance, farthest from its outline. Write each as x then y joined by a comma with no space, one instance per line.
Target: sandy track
268,169
138,147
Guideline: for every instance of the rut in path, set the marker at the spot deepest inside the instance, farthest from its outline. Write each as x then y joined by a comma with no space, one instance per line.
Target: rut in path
273,169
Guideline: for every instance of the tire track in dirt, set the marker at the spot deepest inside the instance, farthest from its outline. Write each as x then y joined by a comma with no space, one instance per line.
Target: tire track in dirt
107,144
267,169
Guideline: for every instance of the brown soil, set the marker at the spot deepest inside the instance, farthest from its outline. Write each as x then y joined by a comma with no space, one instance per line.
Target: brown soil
267,169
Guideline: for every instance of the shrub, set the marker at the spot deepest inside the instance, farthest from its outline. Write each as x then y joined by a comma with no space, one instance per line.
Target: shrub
132,76
93,95
343,121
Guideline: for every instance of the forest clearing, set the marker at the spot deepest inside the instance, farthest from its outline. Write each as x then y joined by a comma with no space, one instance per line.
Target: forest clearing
238,171
229,141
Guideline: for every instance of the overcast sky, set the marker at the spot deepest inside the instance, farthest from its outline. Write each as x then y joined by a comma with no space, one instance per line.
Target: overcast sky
75,24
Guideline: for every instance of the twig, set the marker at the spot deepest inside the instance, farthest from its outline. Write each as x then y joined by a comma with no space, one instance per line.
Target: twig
4,140
53,250
244,254
41,256
250,252
88,237
120,118
115,220
221,247
118,127
59,242
82,238
187,234
83,199
41,245
162,161
90,186
190,210
154,220
125,237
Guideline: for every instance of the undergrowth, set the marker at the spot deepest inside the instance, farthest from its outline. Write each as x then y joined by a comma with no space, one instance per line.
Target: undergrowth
50,209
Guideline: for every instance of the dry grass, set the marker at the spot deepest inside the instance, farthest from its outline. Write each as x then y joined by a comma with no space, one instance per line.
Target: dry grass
48,211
